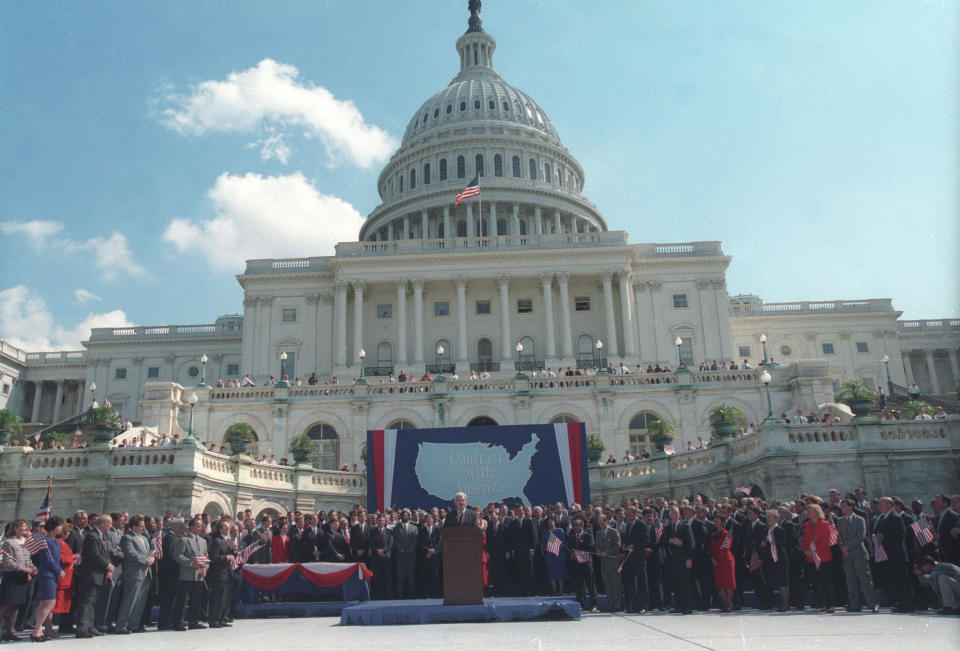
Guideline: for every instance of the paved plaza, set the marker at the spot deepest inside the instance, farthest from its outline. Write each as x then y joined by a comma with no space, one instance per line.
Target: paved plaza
752,630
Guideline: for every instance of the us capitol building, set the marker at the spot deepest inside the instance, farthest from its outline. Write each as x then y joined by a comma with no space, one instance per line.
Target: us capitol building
525,276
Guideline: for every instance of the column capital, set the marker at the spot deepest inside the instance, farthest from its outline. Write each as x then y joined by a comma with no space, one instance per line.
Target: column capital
326,298
312,299
703,283
137,361
341,285
606,277
460,281
625,276
546,279
416,283
250,301
654,286
563,277
358,285
503,279
401,283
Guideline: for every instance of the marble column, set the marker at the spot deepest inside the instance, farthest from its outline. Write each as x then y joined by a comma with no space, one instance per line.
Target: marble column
566,334
461,284
80,396
538,223
546,282
515,222
37,396
954,367
506,347
655,313
57,401
471,227
492,220
703,285
907,361
358,287
417,284
446,223
424,225
401,320
613,350
557,224
406,227
626,288
340,323
934,382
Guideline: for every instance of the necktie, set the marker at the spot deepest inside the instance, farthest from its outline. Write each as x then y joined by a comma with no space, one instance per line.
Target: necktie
461,519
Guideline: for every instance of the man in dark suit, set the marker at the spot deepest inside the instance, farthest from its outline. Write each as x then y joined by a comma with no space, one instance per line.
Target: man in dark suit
95,570
168,573
654,553
702,568
945,519
524,540
635,540
892,532
380,551
460,516
582,540
405,556
428,544
754,535
680,549
219,575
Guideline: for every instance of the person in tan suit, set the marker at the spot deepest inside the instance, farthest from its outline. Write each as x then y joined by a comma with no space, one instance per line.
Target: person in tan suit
608,548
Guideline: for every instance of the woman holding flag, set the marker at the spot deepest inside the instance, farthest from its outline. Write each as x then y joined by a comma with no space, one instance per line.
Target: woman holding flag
18,570
724,575
818,536
49,572
776,559
555,557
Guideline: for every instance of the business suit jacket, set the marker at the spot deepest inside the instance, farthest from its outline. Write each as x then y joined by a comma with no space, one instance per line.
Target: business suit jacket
636,534
136,551
523,537
892,528
583,542
405,536
755,533
96,559
852,531
453,518
608,542
677,556
949,546
381,540
187,548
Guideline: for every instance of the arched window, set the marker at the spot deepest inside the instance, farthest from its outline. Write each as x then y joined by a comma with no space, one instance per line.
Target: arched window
546,172
586,355
400,183
638,431
400,423
449,108
533,171
326,446
479,164
426,173
461,167
563,418
384,358
498,165
482,421
484,351
501,227
413,179
443,169
461,228
527,358
516,167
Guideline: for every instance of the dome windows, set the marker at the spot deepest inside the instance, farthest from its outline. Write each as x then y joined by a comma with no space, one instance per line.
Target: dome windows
426,173
449,108
516,167
443,169
425,118
436,112
533,171
498,165
413,179
461,168
519,108
463,106
476,105
492,105
506,107
479,164
400,183
546,174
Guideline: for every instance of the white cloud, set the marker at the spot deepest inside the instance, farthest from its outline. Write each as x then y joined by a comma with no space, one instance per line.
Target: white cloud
270,97
111,255
84,296
37,230
265,216
26,323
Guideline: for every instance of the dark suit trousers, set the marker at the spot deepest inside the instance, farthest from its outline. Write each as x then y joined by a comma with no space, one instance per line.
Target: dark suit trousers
185,589
703,570
219,591
655,584
635,583
586,590
382,577
166,593
86,603
524,573
682,584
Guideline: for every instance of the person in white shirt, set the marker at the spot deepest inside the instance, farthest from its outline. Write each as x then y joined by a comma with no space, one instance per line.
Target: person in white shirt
799,419
923,416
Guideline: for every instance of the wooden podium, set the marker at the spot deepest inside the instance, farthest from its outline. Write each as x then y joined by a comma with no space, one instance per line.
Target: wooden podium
462,568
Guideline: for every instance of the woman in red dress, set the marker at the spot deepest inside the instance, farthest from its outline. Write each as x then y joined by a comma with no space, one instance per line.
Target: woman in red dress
724,575
280,546
816,547
65,584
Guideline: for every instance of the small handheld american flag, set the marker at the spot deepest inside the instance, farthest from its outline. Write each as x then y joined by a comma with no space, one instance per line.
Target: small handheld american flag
553,545
742,489
879,553
755,562
44,513
35,543
245,554
658,532
669,449
816,558
834,535
727,541
156,546
582,557
921,530
203,560
773,545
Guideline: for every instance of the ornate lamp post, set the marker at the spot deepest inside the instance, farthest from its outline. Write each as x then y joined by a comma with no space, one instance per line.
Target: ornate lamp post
362,355
440,376
599,360
192,401
93,395
520,374
763,341
283,371
203,371
886,363
679,342
765,378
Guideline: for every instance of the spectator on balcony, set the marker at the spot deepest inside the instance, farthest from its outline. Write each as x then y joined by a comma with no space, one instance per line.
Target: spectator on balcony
922,415
746,365
298,382
176,439
426,377
914,391
106,403
611,459
940,414
270,381
799,419
94,404
220,384
313,379
165,441
703,366
645,454
881,398
248,381
689,446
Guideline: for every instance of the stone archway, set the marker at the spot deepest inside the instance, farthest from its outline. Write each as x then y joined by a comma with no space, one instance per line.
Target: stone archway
482,421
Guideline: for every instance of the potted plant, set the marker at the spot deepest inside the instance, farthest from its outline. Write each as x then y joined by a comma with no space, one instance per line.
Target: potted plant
856,395
595,448
238,436
10,423
300,447
661,433
913,408
105,422
724,417
58,438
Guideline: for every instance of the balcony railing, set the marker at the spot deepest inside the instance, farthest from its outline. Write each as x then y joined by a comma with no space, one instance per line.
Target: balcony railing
811,307
377,371
206,330
489,367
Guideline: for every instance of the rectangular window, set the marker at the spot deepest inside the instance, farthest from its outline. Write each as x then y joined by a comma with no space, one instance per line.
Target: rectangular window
153,372
524,305
289,366
441,308
233,369
385,311
686,350
680,300
120,374
289,314
582,303
483,307
827,349
6,389
744,351
862,347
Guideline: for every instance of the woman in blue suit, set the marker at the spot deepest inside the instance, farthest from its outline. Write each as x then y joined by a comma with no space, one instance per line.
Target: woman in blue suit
48,573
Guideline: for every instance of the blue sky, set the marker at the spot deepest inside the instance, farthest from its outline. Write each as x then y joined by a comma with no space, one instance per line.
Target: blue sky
149,147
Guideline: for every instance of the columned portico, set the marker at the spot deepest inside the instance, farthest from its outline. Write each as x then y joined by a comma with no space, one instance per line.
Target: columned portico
612,346
461,284
417,284
401,320
358,287
932,370
57,400
566,341
37,396
506,347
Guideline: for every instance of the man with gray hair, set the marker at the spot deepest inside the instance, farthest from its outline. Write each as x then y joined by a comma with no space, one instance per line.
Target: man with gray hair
460,516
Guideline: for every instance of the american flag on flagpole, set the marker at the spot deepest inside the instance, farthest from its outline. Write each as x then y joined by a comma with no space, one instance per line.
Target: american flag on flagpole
35,543
44,513
879,553
553,545
727,541
921,530
472,190
582,557
742,489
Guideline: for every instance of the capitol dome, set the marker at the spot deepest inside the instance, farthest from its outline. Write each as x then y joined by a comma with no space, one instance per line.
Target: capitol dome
479,125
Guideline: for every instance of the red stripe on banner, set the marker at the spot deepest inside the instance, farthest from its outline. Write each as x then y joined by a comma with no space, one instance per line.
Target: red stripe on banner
334,579
378,469
268,582
574,441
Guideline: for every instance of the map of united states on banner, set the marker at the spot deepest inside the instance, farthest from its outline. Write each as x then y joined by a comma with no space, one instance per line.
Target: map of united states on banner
531,464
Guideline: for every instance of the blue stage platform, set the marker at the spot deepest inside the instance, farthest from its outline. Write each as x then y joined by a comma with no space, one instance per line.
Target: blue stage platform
432,611
292,609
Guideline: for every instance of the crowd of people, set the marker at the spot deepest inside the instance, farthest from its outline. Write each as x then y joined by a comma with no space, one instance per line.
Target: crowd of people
103,573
